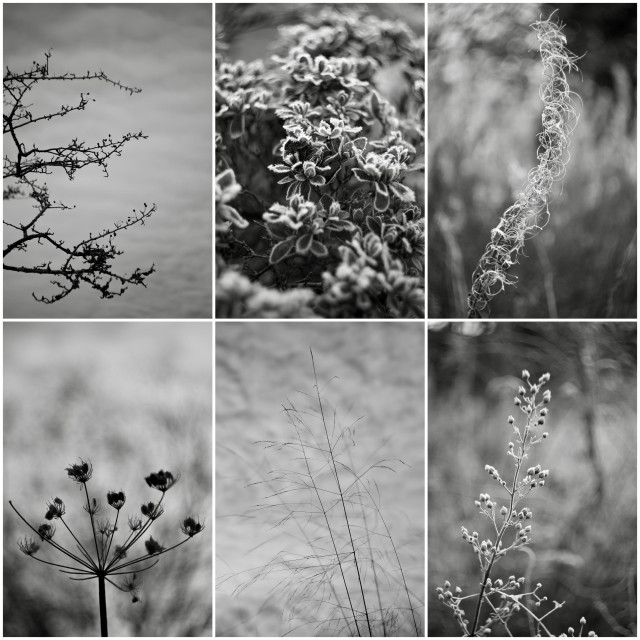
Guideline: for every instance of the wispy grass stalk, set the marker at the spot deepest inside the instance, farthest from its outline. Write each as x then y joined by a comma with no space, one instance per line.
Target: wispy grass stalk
352,560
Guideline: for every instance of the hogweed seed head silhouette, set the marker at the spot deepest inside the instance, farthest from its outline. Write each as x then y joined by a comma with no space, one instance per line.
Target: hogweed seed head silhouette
106,562
504,598
530,212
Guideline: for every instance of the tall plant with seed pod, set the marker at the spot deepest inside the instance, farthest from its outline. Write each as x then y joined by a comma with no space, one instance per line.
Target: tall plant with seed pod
109,559
530,212
500,599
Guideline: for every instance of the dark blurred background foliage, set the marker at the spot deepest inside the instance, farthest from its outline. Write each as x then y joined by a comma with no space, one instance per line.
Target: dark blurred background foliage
132,398
484,113
585,520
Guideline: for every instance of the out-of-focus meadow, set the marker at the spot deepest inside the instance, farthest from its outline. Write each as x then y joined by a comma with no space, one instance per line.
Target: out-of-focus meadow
259,366
132,398
585,519
484,115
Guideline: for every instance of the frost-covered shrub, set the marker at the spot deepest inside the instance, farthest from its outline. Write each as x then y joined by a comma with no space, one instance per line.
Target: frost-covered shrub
319,181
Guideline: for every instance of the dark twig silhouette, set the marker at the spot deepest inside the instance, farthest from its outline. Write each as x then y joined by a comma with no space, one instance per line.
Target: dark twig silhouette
89,261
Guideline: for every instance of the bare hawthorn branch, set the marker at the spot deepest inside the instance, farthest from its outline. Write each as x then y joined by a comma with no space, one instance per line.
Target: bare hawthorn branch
89,261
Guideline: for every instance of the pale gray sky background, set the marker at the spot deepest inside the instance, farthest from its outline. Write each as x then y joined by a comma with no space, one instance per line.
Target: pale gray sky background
164,49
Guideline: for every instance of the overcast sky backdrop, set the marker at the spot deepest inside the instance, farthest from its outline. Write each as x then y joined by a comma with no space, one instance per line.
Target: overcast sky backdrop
165,49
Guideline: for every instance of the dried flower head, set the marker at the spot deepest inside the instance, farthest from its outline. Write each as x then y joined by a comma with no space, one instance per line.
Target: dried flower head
46,531
116,499
162,480
55,509
153,546
92,507
29,546
132,584
190,526
151,510
80,473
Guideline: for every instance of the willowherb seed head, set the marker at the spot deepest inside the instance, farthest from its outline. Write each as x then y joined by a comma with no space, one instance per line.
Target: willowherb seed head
545,435
544,378
80,473
116,499
583,620
162,480
517,401
546,397
525,374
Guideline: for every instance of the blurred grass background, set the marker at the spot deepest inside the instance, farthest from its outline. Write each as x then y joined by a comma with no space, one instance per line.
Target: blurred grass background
484,114
584,549
133,398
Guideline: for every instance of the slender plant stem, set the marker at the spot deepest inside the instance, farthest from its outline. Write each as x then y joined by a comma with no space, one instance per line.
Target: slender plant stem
52,543
324,513
502,531
80,546
93,529
103,606
344,507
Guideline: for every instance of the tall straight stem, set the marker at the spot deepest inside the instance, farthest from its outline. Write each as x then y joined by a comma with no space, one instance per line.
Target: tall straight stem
103,607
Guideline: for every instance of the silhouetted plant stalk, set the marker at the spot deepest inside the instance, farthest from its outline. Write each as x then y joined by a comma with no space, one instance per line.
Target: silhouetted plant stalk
511,525
530,213
89,261
107,561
